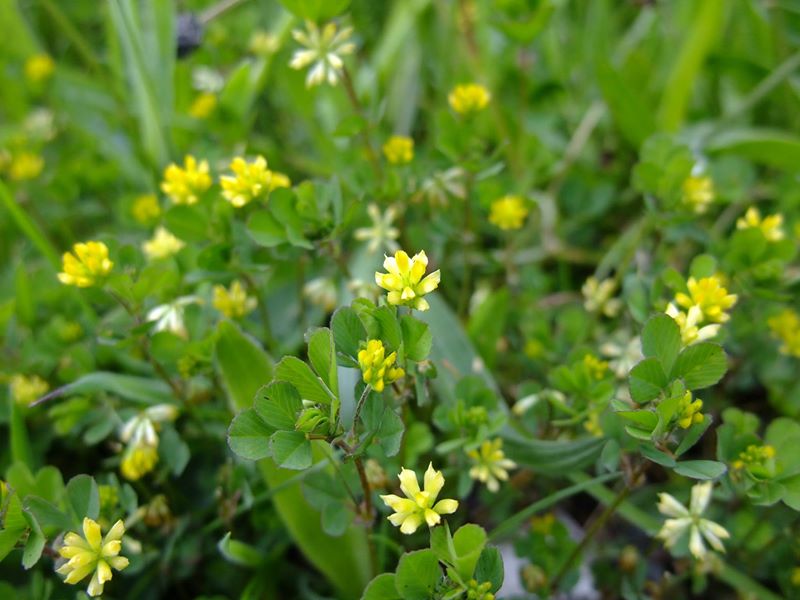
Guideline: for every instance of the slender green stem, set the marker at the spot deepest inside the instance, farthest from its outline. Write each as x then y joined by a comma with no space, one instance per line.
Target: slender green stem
372,155
357,414
73,34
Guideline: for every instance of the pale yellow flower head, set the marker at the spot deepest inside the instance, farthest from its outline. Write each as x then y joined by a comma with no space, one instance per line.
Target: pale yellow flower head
598,296
508,212
710,296
404,280
233,302
146,209
324,49
92,554
399,150
771,226
263,43
250,180
26,389
490,465
689,521
377,369
419,506
87,264
382,232
203,106
785,326
688,322
25,166
469,98
39,67
698,192
184,184
162,245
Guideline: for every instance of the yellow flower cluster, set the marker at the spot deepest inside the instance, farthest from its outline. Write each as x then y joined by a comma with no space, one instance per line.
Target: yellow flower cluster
698,192
86,265
786,327
596,368
39,67
771,226
419,506
138,461
469,98
404,280
146,209
250,180
710,296
25,166
508,212
92,554
162,245
490,465
754,455
377,369
689,411
27,389
234,303
184,184
399,150
203,106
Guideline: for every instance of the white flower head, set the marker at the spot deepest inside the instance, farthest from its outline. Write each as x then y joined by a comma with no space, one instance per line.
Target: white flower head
323,50
689,520
169,317
382,234
140,429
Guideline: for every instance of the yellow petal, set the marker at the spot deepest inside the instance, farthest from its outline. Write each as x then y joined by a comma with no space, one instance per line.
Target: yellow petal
434,481
91,531
409,483
446,507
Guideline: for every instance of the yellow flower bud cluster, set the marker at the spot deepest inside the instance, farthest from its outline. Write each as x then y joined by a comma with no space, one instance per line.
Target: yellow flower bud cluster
399,150
183,185
508,212
469,98
698,192
233,302
785,326
377,369
689,411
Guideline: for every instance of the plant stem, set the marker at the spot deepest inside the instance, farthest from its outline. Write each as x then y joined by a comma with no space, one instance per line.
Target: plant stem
357,412
595,527
372,155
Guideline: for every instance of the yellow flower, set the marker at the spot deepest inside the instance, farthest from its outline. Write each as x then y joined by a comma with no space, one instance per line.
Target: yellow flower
689,411
92,553
786,327
203,105
146,209
710,296
469,98
771,226
27,389
279,180
325,49
377,369
234,303
599,296
399,150
404,280
758,460
418,505
508,212
24,166
594,366
184,184
263,43
39,67
138,461
250,180
688,324
698,192
86,265
162,245
490,464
